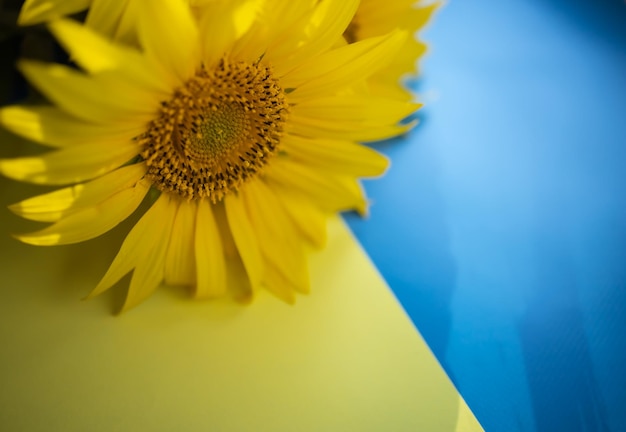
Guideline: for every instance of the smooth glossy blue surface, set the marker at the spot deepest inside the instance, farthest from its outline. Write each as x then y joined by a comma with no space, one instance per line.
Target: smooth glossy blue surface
501,226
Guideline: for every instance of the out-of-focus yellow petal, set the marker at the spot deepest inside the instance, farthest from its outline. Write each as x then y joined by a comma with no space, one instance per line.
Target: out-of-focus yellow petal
357,109
99,99
245,239
55,205
126,31
354,117
148,273
70,165
328,191
180,262
169,34
344,157
278,240
238,282
336,69
139,241
97,54
89,222
306,39
308,218
373,20
104,16
311,127
210,262
222,23
38,11
50,126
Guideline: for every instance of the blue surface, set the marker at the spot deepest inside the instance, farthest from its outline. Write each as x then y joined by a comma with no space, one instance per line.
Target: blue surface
501,226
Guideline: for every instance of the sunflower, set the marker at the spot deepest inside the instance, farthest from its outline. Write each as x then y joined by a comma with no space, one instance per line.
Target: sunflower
375,18
236,123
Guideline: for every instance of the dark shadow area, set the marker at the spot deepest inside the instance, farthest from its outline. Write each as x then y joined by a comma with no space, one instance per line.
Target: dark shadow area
599,18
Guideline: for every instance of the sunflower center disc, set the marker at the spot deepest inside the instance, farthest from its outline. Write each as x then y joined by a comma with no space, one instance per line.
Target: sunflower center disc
216,132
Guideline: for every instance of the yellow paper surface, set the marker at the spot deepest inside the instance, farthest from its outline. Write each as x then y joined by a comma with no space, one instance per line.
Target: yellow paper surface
345,358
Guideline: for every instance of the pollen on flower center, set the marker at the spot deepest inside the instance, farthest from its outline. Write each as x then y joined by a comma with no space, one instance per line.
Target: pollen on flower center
217,131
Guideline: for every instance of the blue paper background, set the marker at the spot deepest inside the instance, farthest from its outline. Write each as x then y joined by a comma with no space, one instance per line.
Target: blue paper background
501,226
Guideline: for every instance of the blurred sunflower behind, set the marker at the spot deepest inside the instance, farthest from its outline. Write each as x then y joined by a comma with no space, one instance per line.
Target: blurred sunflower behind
236,121
378,17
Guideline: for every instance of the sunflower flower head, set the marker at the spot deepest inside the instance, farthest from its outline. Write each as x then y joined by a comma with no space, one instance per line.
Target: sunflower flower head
242,117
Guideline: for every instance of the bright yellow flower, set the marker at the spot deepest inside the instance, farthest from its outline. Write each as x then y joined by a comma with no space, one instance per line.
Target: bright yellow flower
378,17
237,123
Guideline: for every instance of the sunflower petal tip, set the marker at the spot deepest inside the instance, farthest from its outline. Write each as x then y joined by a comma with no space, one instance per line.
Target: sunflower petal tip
30,16
35,239
28,67
95,292
408,127
16,209
57,26
130,302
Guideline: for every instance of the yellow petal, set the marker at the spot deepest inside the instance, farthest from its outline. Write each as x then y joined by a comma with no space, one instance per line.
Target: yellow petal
180,265
344,157
245,239
38,11
389,82
329,191
70,165
311,127
326,73
222,23
309,219
104,16
355,117
318,33
148,272
97,54
99,99
168,33
389,87
210,263
355,109
89,222
55,205
238,282
141,238
126,31
51,126
276,283
278,240
274,23
376,20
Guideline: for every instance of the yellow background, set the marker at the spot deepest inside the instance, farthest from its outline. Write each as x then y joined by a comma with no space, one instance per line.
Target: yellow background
345,358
